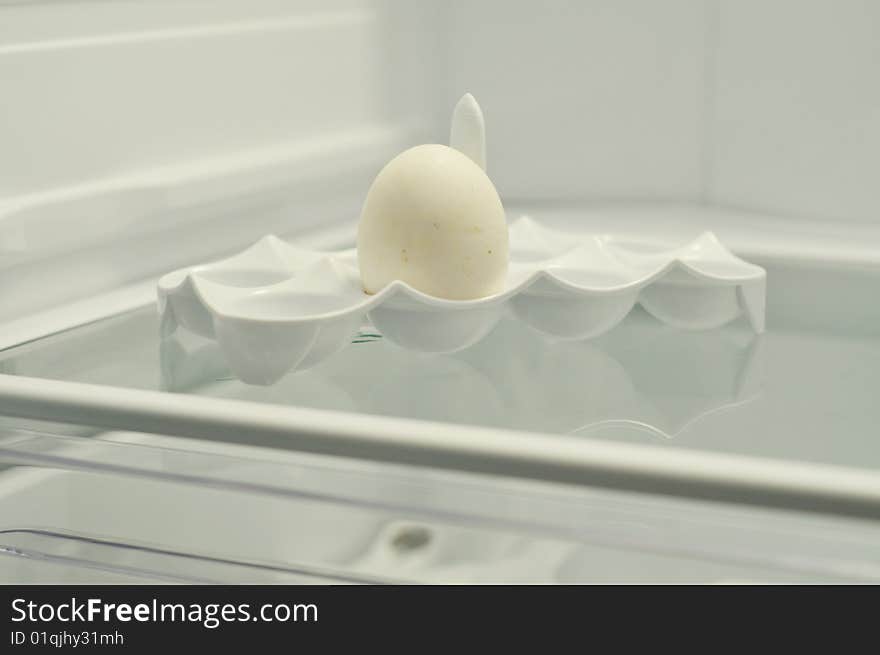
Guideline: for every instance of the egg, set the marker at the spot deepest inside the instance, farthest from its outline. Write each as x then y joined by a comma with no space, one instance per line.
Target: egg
433,219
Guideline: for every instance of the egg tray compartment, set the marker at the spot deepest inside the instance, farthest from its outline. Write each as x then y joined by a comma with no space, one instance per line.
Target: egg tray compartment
274,307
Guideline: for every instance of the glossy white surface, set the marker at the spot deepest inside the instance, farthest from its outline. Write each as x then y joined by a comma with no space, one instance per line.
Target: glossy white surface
467,132
275,308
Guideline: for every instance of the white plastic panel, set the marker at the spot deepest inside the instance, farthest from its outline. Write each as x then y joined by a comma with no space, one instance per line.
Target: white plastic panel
200,124
588,99
796,125
95,103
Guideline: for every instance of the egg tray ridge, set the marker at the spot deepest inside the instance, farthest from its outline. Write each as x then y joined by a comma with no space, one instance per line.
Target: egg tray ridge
275,307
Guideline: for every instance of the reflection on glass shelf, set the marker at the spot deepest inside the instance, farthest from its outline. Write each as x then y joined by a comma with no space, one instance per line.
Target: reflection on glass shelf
807,395
515,378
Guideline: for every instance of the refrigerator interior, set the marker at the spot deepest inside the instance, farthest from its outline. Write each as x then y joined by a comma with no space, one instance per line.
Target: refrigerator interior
145,138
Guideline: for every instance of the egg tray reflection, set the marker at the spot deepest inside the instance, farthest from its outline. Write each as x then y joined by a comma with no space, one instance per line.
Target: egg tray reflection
641,381
276,307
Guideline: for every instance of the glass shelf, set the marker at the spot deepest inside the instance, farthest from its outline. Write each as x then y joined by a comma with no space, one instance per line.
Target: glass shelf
796,394
94,508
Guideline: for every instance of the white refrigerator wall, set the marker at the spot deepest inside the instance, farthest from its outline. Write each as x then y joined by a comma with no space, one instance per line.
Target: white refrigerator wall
97,90
796,110
586,99
136,137
769,105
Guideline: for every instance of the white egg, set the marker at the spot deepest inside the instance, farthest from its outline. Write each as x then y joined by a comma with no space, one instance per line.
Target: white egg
433,219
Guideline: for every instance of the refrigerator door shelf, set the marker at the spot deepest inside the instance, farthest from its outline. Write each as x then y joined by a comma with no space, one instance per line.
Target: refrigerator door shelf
251,514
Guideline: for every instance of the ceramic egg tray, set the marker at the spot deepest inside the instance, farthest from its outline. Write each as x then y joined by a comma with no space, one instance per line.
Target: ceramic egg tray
275,308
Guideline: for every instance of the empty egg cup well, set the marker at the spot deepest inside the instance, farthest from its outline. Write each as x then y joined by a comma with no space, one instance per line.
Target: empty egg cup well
275,308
